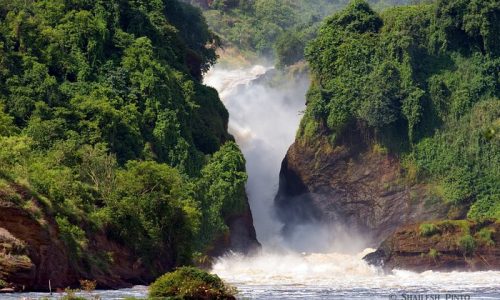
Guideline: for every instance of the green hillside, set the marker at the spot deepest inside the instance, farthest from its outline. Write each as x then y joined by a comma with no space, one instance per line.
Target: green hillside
277,29
103,117
422,81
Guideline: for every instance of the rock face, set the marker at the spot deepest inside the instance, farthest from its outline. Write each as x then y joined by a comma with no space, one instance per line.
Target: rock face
241,237
458,245
355,185
32,253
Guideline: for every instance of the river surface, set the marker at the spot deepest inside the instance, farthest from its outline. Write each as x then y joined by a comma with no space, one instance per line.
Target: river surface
264,120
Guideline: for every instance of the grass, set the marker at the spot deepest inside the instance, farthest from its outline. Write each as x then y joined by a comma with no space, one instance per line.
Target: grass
433,253
428,230
451,225
485,236
3,284
467,244
379,149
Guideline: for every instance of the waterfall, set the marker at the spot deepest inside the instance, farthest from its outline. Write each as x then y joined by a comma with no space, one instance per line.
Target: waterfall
264,119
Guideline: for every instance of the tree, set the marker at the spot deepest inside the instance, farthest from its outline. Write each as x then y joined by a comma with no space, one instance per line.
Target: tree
6,123
382,102
289,49
221,190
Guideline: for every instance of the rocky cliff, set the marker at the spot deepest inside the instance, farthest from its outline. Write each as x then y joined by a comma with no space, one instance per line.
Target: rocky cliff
356,185
443,246
393,134
32,252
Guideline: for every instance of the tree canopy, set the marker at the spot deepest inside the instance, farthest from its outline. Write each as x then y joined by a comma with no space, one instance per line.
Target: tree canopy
424,81
104,117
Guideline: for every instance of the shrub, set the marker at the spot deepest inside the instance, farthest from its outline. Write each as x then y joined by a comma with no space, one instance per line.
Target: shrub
433,253
190,283
88,285
71,295
2,284
486,236
428,230
467,244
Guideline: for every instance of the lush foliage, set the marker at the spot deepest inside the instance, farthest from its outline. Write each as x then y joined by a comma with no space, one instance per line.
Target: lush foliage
423,81
104,117
273,28
190,283
428,230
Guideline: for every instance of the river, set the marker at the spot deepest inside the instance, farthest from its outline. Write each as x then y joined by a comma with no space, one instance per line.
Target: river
264,120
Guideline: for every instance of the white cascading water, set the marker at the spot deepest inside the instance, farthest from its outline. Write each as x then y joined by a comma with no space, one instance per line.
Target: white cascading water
264,120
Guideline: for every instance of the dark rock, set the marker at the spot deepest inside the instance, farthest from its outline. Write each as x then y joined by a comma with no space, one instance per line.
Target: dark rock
241,238
408,249
353,185
376,258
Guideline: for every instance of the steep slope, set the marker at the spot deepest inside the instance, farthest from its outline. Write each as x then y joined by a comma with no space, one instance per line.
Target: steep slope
402,120
114,157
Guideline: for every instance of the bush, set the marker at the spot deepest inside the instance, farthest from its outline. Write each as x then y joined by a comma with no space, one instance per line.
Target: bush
467,244
433,253
190,283
428,230
486,236
71,295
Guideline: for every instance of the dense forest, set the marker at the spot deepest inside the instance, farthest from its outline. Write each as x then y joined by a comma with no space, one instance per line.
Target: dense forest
106,128
423,83
105,121
275,29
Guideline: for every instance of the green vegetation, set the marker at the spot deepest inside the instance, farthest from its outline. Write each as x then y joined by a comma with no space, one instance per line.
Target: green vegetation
272,28
433,253
104,119
71,295
422,81
465,236
485,236
428,230
467,244
190,283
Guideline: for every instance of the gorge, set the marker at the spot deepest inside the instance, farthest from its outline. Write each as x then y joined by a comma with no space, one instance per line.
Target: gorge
360,161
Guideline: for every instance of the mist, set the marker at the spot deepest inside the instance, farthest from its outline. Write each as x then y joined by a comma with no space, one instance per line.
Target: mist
263,120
